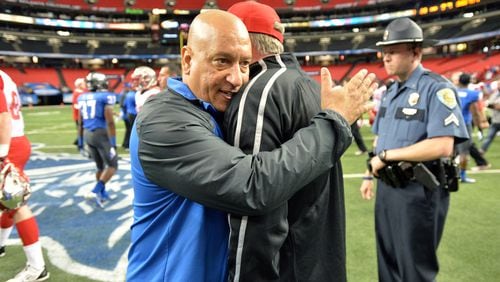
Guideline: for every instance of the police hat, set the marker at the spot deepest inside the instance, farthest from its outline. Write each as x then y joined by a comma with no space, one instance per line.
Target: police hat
404,30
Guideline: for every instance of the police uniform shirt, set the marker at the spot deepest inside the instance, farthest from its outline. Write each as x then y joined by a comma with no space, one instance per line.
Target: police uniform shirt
424,106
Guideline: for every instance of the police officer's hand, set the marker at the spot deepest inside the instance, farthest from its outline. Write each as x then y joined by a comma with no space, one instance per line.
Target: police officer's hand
376,164
366,189
350,100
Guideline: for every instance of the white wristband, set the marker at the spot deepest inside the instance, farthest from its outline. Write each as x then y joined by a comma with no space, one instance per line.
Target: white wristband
4,150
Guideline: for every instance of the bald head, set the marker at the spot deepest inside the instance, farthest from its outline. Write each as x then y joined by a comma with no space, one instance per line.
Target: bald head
215,60
214,24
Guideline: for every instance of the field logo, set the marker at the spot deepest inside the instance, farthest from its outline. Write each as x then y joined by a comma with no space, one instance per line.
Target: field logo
80,237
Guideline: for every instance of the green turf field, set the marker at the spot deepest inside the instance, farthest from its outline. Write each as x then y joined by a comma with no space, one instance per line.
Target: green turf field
469,251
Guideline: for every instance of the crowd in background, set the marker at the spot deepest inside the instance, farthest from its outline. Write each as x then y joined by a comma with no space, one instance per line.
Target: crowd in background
96,137
484,122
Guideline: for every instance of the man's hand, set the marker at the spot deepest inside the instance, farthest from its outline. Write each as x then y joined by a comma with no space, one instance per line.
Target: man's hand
351,100
366,189
484,124
376,164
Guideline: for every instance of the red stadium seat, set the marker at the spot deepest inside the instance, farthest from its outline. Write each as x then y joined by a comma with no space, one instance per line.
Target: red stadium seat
19,76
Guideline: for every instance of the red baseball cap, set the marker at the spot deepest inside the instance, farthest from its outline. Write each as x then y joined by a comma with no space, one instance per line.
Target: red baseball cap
258,18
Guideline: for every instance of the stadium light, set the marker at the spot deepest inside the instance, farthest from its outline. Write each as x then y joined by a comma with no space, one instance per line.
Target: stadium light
157,11
63,33
170,3
129,3
210,4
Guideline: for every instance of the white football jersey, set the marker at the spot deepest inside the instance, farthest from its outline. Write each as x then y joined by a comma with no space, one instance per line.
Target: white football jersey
140,98
13,100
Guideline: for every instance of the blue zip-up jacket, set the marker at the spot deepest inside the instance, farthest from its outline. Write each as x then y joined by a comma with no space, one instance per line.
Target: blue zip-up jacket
186,178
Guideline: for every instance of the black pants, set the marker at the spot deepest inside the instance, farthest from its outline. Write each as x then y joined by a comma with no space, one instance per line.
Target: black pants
478,158
358,138
409,223
128,128
129,122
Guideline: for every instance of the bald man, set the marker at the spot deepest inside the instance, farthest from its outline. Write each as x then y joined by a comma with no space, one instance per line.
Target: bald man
186,178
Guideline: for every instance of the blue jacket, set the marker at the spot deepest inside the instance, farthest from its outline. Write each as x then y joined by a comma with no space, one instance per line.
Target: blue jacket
186,178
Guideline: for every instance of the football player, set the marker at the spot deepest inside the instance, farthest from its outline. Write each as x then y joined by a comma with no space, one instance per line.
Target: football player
97,130
147,85
16,149
79,89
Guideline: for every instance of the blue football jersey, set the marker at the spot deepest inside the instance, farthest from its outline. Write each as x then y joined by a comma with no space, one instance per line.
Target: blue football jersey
92,105
467,97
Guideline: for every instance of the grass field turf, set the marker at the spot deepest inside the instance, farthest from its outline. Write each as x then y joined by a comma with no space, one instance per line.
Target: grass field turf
469,250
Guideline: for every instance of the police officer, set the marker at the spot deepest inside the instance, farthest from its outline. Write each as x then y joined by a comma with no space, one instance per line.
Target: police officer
419,121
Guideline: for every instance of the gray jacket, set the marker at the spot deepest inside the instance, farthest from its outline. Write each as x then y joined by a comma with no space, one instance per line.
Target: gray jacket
179,150
302,239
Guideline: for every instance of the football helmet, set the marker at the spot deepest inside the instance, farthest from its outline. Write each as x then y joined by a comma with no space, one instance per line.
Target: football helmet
80,82
144,78
96,81
14,187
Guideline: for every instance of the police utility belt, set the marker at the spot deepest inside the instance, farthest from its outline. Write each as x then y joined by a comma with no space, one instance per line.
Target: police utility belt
442,173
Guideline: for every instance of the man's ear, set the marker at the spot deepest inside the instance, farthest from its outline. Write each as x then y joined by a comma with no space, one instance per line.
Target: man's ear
186,56
419,51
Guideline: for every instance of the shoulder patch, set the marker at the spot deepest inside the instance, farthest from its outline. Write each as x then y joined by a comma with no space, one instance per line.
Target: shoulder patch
447,97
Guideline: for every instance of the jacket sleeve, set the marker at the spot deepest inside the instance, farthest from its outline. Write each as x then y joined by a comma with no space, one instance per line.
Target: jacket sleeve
188,159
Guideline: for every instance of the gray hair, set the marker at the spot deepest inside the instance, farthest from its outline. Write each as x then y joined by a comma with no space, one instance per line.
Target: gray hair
266,44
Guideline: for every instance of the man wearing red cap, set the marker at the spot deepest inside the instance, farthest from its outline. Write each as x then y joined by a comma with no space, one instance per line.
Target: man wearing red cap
186,178
302,239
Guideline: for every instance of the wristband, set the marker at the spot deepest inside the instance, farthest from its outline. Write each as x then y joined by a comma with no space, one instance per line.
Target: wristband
367,177
4,150
112,140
